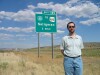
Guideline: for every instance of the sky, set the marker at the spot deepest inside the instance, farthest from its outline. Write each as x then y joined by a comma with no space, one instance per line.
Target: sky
17,21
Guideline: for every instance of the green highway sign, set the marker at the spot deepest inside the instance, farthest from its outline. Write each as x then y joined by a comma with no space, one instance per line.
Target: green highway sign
46,22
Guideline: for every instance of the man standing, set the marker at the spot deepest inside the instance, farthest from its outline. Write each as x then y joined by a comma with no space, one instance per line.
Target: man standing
71,49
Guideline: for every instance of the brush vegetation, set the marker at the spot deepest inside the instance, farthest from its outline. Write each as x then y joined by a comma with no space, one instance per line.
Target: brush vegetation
26,62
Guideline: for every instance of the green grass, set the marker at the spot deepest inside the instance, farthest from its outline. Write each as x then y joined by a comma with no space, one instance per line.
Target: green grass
85,52
3,65
91,52
59,56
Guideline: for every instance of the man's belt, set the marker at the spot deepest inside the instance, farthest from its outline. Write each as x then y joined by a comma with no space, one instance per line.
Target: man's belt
72,57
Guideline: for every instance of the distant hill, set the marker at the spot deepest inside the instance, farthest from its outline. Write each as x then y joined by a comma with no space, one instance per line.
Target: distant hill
87,45
92,44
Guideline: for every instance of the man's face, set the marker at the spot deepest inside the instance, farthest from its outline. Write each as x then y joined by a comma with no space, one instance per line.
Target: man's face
71,28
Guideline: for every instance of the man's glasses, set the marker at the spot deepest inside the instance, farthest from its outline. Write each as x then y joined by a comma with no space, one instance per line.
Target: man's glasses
71,26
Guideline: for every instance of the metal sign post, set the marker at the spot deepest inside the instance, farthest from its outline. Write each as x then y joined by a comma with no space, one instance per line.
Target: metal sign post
52,45
38,45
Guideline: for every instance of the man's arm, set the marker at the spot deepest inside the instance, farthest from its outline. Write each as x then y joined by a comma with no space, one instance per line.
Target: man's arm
82,46
62,46
62,51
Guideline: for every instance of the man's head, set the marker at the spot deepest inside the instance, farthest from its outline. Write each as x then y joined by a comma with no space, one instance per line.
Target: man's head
71,27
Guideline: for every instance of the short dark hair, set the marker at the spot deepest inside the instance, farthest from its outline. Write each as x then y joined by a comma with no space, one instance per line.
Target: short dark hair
70,23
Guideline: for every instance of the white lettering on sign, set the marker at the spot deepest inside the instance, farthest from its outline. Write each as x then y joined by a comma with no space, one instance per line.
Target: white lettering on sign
47,28
45,24
42,28
46,17
40,24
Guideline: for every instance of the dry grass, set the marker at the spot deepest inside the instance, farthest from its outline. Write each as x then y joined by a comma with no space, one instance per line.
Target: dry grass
27,63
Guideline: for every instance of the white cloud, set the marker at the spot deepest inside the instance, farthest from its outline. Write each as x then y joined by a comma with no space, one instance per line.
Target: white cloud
49,34
91,21
6,36
33,35
46,34
31,7
22,15
17,29
12,29
30,29
6,15
63,23
78,9
15,45
75,8
60,31
45,5
22,39
72,1
84,10
21,35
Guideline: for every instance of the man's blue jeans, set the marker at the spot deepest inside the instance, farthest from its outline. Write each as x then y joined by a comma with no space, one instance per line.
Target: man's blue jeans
73,66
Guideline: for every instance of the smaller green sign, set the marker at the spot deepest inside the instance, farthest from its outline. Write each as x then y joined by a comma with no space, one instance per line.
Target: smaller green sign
49,12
